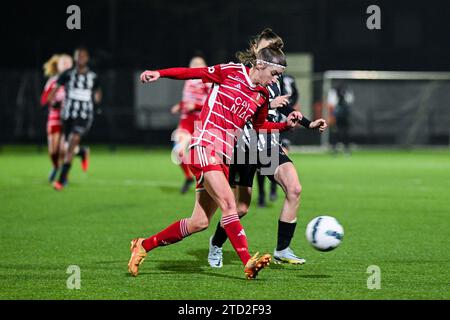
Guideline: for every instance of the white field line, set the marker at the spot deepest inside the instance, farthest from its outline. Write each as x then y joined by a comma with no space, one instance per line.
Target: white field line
91,181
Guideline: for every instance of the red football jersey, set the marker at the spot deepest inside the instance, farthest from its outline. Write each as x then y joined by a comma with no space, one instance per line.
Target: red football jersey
54,107
233,100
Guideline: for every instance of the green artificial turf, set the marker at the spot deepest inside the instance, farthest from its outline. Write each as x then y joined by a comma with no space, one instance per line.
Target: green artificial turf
394,206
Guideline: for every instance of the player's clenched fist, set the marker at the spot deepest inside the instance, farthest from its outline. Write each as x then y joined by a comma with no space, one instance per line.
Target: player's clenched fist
149,76
280,101
294,118
319,123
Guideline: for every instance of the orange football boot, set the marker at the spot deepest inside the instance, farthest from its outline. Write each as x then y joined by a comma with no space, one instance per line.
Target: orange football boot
255,264
138,255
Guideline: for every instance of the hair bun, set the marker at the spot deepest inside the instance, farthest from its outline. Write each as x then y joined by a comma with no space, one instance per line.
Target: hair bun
267,32
276,45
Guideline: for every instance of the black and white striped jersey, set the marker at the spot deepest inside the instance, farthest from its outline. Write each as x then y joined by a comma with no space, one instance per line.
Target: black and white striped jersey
80,88
284,85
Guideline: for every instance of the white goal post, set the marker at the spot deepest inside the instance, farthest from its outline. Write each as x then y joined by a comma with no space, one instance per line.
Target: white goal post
400,107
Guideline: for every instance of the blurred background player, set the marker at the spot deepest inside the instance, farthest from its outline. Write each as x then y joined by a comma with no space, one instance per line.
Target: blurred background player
265,145
55,66
82,91
340,100
287,87
194,96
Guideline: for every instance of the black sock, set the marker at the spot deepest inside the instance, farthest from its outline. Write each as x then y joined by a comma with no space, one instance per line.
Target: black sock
261,191
81,151
273,187
64,172
220,236
285,233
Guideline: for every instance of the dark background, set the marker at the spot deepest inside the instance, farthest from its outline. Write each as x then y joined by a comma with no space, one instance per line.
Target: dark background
125,36
415,35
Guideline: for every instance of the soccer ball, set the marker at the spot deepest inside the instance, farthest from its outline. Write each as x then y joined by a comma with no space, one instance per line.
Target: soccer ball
324,233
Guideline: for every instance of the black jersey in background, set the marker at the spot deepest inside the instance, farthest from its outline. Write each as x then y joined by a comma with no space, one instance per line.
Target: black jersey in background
80,88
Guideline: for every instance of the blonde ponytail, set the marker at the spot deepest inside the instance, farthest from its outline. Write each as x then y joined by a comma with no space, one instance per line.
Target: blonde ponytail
51,66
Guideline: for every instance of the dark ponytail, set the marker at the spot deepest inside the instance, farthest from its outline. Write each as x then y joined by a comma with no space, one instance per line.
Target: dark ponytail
250,56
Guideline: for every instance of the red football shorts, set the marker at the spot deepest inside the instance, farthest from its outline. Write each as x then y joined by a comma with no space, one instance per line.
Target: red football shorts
54,129
187,121
200,163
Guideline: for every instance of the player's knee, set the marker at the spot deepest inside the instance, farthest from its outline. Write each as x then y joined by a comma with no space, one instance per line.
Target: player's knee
198,225
75,139
294,191
228,205
242,209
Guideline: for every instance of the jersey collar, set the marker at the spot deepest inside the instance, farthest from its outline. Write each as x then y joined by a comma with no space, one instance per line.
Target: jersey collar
246,71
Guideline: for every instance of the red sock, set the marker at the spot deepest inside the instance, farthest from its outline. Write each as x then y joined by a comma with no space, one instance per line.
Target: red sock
236,234
54,157
186,171
172,234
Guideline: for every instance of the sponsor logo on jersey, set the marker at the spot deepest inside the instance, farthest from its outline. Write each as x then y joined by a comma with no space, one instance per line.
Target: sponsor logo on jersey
240,108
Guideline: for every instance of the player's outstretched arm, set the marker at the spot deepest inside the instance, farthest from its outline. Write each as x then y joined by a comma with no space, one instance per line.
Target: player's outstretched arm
294,118
260,121
175,108
179,74
321,124
150,76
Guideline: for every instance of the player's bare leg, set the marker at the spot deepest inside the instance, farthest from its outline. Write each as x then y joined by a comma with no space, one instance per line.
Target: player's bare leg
219,189
243,196
286,176
84,153
182,139
204,209
63,145
74,141
53,151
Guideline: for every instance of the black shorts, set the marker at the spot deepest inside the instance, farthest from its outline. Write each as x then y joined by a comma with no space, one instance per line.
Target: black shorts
77,125
243,174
